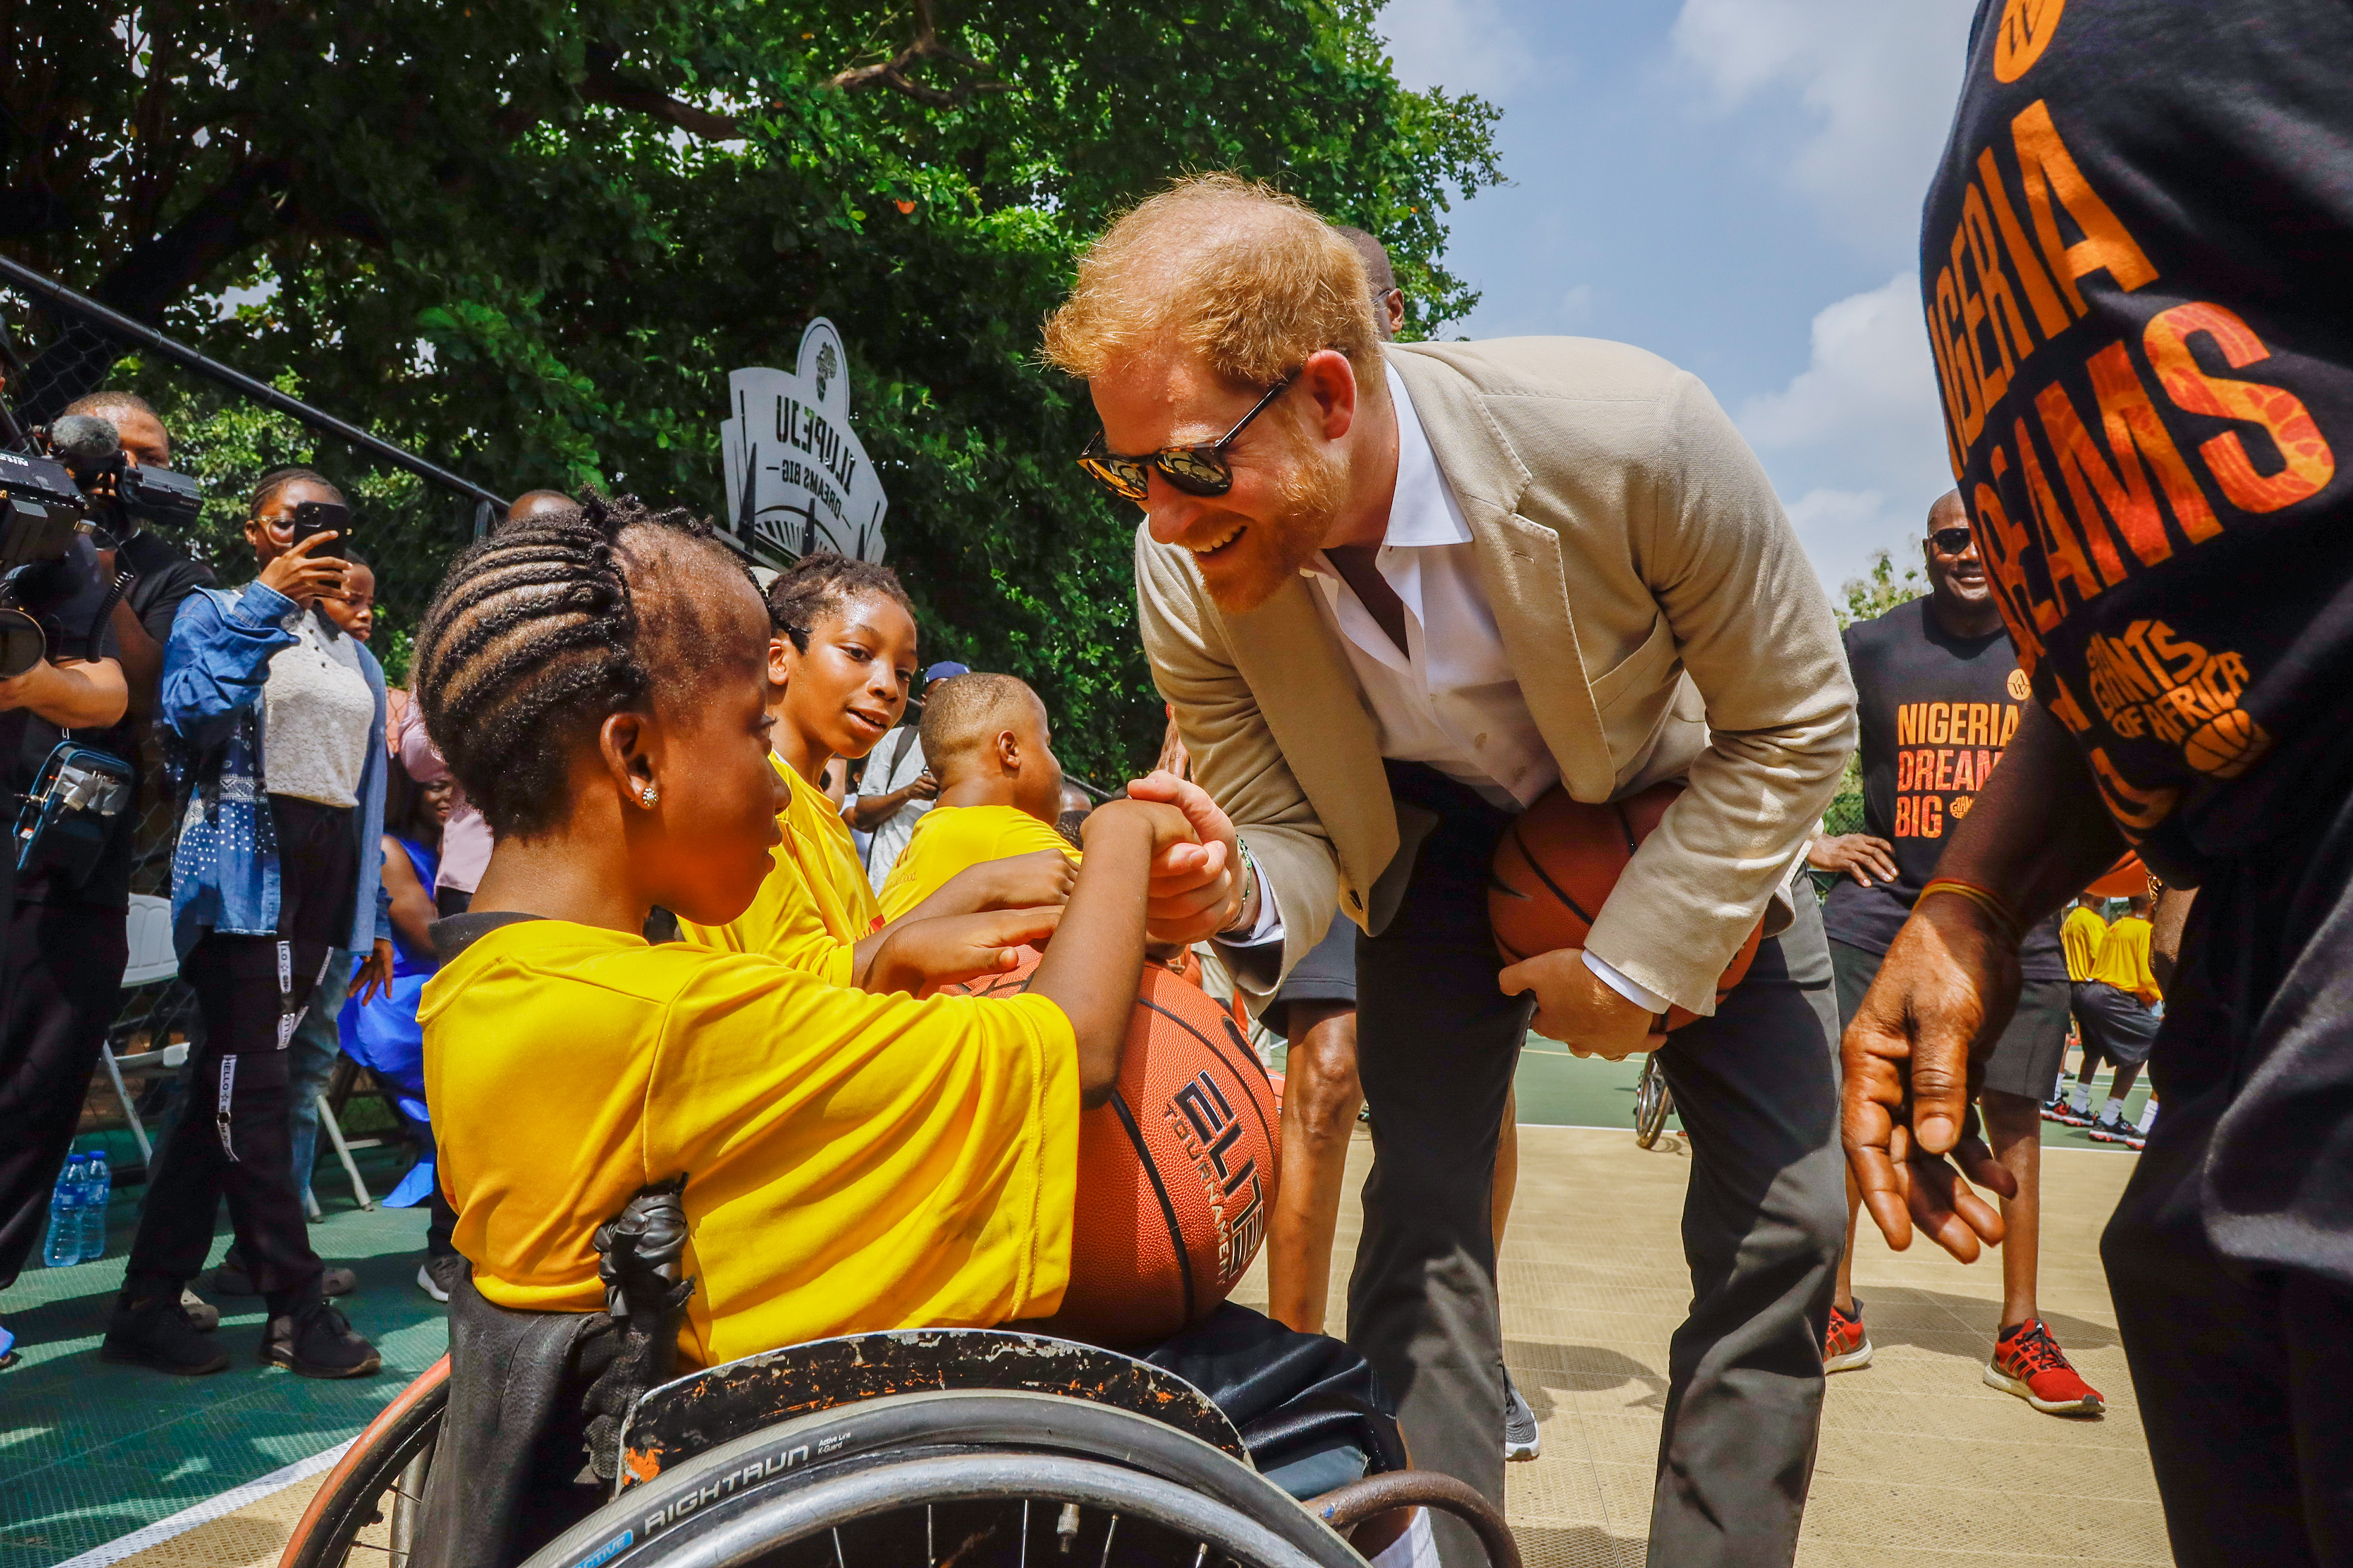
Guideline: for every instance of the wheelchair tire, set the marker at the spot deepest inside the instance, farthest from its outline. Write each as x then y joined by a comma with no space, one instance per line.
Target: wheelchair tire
386,1460
983,1459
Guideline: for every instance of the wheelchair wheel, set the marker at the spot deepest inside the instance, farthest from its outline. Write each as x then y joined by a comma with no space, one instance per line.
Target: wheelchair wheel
979,1478
367,1507
1652,1103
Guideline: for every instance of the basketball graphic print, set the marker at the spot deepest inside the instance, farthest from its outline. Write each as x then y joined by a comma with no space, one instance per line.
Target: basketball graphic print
1176,1173
2226,745
1555,867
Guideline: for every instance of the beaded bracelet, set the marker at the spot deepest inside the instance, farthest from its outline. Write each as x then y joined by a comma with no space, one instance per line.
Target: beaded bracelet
2006,925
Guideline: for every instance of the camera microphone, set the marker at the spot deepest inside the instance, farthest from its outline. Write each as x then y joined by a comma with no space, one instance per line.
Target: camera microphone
85,443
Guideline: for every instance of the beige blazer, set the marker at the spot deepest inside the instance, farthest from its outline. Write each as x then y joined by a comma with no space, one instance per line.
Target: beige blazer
1663,621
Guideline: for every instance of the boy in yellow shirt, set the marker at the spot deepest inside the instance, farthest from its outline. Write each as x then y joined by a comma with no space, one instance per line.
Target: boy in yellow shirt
989,744
840,657
852,1161
2114,1006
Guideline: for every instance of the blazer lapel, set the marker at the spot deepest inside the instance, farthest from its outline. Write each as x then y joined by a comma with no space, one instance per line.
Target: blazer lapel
1519,566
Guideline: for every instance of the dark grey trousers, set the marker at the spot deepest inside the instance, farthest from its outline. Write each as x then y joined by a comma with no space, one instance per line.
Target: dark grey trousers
1763,1220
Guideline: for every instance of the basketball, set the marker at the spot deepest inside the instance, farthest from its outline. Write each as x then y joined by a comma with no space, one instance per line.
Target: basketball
1555,865
1176,1172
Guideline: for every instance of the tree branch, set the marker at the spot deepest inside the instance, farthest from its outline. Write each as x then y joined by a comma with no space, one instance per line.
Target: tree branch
893,73
605,84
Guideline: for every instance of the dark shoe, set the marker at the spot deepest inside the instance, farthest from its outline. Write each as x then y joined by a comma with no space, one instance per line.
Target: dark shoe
231,1279
317,1342
2109,1131
201,1312
440,1276
156,1334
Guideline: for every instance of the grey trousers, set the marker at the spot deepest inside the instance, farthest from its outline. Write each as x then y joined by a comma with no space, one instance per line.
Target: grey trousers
1763,1220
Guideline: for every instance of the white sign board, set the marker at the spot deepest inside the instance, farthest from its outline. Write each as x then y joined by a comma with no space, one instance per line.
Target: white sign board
798,477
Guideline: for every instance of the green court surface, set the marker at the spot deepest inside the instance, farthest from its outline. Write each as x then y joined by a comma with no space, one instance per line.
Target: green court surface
89,1453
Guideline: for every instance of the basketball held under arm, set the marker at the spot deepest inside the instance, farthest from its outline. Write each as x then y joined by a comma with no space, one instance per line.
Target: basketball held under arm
1753,629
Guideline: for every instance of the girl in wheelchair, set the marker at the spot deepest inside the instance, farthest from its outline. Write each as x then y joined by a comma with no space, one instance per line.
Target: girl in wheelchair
851,1160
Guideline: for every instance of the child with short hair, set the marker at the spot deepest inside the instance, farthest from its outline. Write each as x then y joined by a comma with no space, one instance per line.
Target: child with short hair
597,681
989,744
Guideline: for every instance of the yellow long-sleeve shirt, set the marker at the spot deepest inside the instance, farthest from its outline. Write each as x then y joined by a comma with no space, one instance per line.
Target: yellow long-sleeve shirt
815,905
2123,960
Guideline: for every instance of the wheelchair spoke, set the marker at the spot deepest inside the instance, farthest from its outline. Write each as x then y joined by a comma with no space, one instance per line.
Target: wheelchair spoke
1024,1560
838,1557
1109,1531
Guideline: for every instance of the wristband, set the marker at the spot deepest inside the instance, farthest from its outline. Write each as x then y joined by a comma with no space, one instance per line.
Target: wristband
2006,925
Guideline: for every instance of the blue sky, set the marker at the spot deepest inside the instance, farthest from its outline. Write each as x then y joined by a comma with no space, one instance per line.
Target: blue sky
1735,185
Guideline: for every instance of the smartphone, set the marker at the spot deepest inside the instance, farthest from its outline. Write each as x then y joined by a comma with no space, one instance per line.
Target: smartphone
319,517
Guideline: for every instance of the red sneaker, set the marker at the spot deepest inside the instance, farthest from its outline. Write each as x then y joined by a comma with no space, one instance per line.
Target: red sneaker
1846,1346
2028,1361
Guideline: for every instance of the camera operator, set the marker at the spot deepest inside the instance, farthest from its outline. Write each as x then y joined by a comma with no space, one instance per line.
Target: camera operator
65,947
276,719
162,573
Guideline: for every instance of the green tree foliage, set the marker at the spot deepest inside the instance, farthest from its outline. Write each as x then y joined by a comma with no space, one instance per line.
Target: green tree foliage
529,239
1868,597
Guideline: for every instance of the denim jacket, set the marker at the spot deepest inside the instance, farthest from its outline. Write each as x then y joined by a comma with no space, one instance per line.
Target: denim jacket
225,866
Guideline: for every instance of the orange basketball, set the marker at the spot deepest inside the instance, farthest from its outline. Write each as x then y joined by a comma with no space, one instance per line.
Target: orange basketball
1555,867
1176,1172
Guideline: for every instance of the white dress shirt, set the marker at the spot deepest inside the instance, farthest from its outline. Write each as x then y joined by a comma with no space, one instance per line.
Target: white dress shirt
1450,699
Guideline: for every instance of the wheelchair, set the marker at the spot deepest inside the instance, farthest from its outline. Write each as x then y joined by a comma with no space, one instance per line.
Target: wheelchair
917,1448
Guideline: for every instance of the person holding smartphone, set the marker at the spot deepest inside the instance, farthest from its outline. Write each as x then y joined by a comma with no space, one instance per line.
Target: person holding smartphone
274,719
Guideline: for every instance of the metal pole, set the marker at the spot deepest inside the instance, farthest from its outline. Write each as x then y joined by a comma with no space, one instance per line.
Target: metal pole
140,333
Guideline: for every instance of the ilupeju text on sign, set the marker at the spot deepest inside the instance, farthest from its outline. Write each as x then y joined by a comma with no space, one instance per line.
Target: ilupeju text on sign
799,479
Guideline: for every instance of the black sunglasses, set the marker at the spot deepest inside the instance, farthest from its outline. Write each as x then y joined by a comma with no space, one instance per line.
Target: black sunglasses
1950,541
1196,470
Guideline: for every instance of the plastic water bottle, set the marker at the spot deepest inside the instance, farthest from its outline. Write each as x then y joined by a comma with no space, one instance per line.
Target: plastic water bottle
97,1187
63,1246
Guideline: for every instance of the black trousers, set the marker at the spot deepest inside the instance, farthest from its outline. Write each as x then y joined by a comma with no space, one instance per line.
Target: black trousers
2231,1255
234,1139
1764,1218
67,967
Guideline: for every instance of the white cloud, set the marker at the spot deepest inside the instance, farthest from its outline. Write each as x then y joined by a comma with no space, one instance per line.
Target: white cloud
1856,437
1462,46
1878,79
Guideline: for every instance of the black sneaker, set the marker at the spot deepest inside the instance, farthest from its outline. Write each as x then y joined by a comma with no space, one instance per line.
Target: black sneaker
201,1312
317,1342
231,1279
156,1334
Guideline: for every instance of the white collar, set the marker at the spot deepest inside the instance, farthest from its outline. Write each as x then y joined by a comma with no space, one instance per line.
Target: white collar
1423,511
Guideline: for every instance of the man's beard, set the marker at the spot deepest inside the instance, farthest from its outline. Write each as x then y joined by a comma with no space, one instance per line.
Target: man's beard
1276,548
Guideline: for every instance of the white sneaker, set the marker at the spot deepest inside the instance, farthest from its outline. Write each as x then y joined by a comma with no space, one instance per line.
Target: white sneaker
1522,1441
430,1286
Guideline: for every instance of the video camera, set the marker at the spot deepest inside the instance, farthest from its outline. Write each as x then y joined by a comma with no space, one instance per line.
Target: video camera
41,510
91,448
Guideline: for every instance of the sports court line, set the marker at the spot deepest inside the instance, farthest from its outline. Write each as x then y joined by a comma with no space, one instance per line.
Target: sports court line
205,1513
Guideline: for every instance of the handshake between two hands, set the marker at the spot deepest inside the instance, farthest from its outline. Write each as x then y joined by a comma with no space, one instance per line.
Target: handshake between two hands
1006,905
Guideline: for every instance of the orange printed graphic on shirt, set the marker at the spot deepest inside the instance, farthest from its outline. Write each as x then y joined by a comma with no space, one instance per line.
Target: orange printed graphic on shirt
1945,748
2055,185
2151,682
2138,439
2307,464
2024,33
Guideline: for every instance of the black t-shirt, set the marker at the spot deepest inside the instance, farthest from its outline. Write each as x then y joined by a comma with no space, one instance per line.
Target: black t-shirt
2134,258
1936,711
165,576
65,598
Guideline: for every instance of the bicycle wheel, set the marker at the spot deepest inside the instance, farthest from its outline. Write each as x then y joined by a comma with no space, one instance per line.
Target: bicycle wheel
385,1465
1652,1103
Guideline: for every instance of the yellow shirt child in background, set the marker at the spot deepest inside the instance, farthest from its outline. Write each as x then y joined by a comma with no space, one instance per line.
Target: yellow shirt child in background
841,657
989,744
2123,960
2080,935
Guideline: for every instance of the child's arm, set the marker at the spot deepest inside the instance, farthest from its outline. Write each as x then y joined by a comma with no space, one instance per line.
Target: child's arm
1015,882
1097,957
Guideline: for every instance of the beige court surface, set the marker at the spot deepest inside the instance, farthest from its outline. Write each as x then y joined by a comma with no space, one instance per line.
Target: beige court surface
1921,1464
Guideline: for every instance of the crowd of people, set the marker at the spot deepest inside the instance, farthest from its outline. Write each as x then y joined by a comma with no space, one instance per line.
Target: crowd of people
646,880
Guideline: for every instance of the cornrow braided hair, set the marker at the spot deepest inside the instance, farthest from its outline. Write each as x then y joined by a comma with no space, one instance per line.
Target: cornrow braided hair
535,637
822,585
